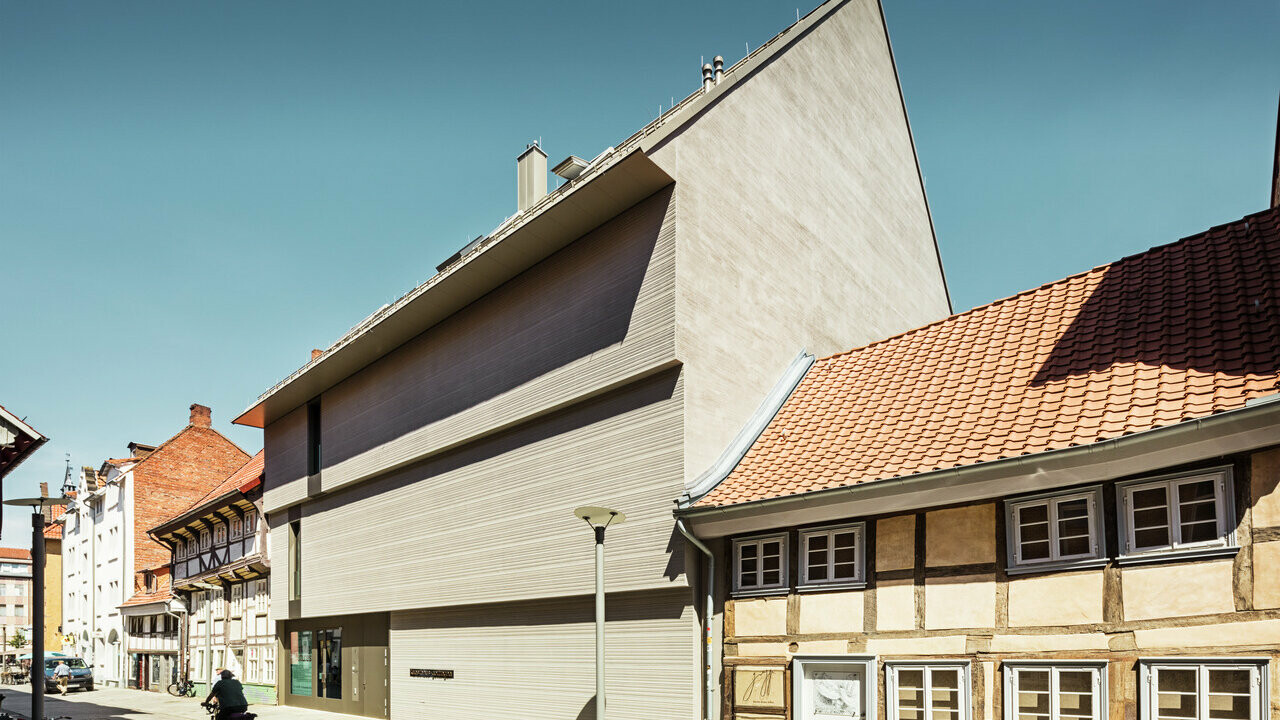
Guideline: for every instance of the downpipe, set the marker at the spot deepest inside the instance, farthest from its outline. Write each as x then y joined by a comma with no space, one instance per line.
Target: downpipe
708,614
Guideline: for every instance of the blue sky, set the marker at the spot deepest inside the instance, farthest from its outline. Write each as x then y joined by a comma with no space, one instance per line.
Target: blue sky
194,195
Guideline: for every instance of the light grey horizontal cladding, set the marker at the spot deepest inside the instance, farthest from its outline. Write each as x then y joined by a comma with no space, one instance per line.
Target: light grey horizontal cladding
597,312
279,581
803,223
600,374
285,463
493,521
536,660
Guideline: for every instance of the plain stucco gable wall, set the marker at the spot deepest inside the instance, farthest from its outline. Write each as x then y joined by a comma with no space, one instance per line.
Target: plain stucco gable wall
803,223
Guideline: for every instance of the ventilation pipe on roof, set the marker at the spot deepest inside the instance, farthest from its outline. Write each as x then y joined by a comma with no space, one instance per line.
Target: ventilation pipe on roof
531,176
708,78
719,68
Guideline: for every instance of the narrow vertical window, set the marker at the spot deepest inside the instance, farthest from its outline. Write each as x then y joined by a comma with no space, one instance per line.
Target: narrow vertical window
295,560
313,437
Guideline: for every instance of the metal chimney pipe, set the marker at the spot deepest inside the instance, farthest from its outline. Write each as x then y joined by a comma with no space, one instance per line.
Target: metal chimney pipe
719,68
707,78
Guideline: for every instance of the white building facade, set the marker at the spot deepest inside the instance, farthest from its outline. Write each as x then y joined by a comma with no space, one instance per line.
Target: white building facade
98,568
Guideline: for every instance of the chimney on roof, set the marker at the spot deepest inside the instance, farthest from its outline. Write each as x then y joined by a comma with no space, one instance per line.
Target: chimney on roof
531,176
316,352
719,68
201,416
44,489
708,78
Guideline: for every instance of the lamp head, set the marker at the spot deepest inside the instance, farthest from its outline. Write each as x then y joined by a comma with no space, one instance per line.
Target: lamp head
37,502
599,516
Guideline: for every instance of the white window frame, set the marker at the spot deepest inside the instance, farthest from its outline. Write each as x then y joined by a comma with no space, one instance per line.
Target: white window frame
892,668
859,529
1096,556
802,665
1149,668
1055,667
1224,497
784,577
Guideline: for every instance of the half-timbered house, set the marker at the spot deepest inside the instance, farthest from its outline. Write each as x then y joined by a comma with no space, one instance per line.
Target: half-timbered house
1064,505
220,567
152,630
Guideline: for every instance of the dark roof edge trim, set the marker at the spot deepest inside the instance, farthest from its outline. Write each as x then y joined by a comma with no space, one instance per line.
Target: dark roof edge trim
1242,421
750,432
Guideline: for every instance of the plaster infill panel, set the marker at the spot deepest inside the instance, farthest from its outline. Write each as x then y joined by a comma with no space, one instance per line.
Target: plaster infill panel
1074,599
759,617
895,605
1266,575
1241,634
964,601
834,612
1265,480
936,645
896,543
961,536
1165,591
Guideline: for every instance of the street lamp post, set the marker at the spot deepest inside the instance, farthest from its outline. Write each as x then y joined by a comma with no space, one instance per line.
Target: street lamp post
599,518
37,505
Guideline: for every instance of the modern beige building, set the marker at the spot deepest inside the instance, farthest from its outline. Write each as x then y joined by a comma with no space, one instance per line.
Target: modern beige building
600,347
1064,505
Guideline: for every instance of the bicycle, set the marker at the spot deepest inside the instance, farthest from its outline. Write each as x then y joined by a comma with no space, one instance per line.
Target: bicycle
212,709
182,688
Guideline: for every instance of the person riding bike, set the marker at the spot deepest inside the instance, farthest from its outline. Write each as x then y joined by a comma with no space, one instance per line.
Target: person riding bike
230,696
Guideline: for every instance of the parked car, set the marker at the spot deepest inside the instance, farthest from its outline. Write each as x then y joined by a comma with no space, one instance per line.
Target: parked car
81,674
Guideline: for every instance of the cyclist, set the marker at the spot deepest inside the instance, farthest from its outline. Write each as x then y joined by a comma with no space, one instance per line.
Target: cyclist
229,694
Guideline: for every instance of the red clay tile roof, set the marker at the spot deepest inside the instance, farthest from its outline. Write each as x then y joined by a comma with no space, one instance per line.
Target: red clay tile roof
1178,332
15,553
160,595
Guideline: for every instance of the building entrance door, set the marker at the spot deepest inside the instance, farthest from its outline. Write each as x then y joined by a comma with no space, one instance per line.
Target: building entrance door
337,664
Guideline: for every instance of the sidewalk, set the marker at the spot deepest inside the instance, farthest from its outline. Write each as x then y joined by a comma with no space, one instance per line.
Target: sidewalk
123,704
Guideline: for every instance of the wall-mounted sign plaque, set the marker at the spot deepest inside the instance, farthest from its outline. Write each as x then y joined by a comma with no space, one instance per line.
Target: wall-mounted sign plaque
425,673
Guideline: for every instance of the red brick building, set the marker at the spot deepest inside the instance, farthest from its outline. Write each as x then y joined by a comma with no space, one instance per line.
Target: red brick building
106,546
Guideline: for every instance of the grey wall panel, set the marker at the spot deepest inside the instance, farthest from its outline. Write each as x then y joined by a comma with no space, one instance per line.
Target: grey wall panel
536,660
593,314
803,222
493,521
278,581
285,471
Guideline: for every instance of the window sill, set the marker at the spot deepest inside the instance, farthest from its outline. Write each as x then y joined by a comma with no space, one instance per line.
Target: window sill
818,587
1062,566
1157,556
760,592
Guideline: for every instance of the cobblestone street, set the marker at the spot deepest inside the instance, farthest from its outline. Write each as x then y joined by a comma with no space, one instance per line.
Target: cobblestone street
123,704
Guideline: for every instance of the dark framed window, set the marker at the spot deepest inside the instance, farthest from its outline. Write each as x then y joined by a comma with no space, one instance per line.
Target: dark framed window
313,437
